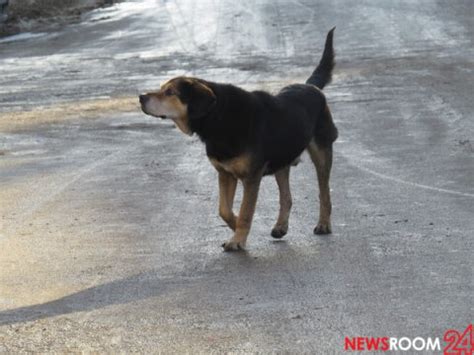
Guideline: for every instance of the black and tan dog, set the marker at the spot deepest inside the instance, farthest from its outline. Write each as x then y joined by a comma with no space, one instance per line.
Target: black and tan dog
252,134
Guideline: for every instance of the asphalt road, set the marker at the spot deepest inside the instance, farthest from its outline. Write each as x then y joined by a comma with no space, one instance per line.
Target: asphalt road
109,233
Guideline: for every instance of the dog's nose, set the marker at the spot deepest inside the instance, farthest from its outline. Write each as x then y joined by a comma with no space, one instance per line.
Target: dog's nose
143,99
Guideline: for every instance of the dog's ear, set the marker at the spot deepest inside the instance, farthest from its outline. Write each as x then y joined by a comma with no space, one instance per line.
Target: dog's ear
201,101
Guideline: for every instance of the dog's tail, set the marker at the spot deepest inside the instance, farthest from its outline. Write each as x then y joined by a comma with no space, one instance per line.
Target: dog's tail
322,74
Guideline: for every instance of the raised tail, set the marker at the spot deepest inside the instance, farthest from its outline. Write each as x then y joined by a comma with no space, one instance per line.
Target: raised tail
322,74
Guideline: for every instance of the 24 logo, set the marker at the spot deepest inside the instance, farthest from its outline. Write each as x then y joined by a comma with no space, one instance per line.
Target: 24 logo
459,344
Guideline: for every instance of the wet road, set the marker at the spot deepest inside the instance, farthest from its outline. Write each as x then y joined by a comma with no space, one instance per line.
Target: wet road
109,234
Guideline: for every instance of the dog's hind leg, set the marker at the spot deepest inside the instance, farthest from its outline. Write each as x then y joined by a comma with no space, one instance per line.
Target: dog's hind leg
283,180
322,159
227,186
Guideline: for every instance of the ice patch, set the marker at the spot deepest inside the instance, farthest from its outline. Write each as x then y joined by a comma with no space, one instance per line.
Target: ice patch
22,37
122,10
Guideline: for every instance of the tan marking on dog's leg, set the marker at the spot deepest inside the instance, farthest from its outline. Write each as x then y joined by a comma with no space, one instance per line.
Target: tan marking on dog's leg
227,186
283,180
247,210
322,159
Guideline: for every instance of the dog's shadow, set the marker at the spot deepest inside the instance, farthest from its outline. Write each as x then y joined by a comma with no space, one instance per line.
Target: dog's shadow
136,287
237,265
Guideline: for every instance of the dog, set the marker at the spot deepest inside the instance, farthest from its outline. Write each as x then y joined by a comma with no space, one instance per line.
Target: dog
252,134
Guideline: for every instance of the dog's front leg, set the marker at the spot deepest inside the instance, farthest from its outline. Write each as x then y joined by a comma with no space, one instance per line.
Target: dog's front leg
247,209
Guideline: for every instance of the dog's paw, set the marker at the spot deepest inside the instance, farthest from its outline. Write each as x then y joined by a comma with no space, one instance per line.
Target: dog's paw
233,245
322,228
279,231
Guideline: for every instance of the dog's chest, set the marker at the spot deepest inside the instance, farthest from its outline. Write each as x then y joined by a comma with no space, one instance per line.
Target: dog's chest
239,166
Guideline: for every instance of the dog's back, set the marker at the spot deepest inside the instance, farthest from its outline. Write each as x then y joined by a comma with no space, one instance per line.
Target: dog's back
286,124
297,115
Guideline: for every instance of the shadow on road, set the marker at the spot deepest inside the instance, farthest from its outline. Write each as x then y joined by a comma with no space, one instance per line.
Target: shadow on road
241,270
136,287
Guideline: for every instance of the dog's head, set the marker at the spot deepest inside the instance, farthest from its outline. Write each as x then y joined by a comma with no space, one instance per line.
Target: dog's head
181,99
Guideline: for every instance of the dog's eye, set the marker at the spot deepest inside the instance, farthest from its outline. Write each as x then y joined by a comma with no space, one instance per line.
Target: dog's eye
168,92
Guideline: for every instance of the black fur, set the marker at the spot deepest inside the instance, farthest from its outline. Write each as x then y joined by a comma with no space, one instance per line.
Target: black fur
274,129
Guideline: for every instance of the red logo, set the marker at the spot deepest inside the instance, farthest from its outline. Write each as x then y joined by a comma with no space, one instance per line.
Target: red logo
456,343
459,344
366,344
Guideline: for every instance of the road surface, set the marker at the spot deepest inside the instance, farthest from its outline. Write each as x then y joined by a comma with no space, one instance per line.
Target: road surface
109,232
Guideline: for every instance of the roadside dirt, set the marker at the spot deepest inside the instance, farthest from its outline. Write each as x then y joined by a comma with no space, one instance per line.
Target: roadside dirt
28,15
10,121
